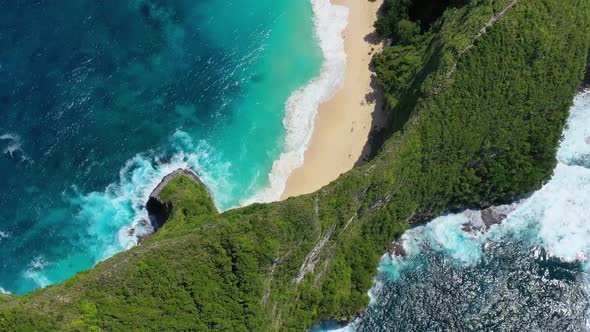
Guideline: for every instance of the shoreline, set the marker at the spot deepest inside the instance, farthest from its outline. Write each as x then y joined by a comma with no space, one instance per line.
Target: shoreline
301,108
343,123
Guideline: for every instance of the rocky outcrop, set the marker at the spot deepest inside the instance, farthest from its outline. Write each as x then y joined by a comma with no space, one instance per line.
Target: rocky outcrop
396,248
313,257
481,221
159,210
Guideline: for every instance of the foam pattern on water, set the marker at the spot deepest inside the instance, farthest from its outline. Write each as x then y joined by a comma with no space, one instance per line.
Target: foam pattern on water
100,100
120,208
301,107
575,147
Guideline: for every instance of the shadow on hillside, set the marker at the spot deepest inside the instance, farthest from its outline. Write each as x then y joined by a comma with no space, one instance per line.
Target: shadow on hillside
380,123
373,38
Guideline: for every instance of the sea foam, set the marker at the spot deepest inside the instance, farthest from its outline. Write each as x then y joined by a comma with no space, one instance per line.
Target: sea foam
13,143
124,201
575,146
35,272
561,206
13,146
554,218
116,218
301,107
120,208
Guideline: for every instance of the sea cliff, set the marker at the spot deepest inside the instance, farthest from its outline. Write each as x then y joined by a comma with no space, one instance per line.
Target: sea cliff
478,114
159,209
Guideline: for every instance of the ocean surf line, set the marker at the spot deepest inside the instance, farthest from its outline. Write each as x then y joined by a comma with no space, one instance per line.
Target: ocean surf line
129,91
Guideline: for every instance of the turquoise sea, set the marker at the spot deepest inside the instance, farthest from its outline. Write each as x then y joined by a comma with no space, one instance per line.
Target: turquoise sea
100,99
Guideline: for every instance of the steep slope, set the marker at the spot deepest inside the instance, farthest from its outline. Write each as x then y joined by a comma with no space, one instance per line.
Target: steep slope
485,134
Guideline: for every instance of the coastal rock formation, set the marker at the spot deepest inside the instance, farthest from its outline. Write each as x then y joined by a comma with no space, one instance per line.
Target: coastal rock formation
159,210
481,221
491,217
472,141
396,248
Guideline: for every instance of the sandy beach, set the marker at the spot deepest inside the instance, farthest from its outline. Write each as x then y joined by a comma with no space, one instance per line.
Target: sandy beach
343,123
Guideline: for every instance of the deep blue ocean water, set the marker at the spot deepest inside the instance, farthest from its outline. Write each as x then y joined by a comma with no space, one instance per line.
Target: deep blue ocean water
100,99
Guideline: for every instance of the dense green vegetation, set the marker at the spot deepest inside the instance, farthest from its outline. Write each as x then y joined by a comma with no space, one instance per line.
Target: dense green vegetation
510,124
401,20
472,126
192,207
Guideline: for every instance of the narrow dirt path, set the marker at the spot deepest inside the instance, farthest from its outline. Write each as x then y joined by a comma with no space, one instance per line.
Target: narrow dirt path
481,32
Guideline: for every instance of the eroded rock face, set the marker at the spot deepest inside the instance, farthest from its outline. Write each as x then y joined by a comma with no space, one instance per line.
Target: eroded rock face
158,212
492,217
397,248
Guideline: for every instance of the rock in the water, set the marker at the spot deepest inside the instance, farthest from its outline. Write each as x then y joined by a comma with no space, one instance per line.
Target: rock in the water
397,248
491,217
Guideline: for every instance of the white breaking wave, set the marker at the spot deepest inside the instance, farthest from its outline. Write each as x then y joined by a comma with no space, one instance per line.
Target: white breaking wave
445,234
35,272
13,143
13,146
4,291
555,217
115,219
575,147
120,208
125,200
301,107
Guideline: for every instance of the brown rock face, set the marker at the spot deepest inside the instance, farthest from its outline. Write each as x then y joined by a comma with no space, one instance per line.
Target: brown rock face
490,217
397,248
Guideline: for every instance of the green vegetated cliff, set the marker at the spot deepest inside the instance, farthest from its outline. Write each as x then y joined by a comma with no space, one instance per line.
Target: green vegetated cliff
478,114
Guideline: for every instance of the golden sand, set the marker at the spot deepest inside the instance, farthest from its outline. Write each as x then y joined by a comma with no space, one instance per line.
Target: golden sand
343,123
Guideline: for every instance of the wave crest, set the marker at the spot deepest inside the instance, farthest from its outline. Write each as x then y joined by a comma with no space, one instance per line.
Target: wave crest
13,147
110,211
301,107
